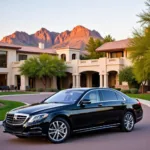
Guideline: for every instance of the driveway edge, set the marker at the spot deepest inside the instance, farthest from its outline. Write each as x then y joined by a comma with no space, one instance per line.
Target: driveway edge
145,102
42,93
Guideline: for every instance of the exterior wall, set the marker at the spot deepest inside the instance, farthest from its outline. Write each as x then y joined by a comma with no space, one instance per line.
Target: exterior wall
11,57
39,84
75,67
68,52
28,55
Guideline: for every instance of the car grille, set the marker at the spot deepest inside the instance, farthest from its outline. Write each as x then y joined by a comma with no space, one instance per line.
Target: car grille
16,119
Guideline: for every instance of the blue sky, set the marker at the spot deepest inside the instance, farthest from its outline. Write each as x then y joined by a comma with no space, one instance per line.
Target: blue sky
115,17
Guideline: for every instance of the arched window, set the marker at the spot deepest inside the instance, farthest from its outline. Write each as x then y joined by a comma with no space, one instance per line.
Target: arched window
63,57
73,56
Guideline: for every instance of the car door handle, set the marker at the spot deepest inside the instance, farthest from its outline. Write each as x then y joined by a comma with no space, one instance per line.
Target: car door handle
100,105
122,103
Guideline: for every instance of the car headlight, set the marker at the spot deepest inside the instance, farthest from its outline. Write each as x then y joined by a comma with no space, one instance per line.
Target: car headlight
37,117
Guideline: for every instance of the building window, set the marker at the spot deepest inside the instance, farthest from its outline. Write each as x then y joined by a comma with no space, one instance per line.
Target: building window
63,57
22,57
73,56
116,54
3,59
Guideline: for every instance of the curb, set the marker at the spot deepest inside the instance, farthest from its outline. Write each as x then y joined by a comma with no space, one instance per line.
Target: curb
18,95
145,102
1,123
26,94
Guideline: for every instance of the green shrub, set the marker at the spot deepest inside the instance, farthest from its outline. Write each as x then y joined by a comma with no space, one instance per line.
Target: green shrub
48,90
134,90
54,90
40,90
51,90
33,90
125,91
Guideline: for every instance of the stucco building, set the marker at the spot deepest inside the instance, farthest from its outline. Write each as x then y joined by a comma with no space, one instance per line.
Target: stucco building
102,72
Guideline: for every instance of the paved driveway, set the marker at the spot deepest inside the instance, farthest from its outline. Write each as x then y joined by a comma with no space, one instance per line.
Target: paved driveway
33,98
112,139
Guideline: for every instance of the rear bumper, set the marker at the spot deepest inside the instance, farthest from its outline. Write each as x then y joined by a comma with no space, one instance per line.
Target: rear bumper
139,119
139,115
34,130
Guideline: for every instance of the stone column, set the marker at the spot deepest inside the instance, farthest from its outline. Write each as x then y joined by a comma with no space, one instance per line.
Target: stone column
106,80
78,81
24,83
101,80
73,81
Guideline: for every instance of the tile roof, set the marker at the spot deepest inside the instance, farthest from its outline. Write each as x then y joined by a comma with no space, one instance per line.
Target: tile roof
116,45
30,49
11,46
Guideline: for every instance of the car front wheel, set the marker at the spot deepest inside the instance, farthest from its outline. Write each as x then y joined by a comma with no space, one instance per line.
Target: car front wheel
59,130
128,122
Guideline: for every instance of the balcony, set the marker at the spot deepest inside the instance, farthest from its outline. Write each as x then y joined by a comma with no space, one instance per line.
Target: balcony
91,62
115,61
17,64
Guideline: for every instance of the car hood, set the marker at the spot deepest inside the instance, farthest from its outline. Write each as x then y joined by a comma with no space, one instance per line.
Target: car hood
35,108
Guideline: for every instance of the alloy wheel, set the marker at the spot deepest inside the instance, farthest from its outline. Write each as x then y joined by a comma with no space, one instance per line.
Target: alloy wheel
57,131
128,121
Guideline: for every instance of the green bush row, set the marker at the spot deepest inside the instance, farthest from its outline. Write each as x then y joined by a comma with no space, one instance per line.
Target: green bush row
43,90
132,91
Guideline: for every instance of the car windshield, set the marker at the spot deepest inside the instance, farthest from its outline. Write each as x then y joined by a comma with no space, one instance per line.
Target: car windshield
65,96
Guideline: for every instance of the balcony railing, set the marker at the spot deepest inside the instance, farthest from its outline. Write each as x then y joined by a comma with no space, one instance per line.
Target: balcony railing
17,63
88,62
115,61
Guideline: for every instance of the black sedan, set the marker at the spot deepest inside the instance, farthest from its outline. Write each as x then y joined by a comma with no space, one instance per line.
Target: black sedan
74,111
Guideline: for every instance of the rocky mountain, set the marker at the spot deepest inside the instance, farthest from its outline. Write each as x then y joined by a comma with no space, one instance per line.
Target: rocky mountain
77,38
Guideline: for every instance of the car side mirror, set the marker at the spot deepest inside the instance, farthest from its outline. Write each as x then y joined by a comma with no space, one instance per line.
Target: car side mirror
85,102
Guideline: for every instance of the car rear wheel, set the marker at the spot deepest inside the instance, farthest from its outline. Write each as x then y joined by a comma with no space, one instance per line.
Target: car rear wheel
59,130
128,122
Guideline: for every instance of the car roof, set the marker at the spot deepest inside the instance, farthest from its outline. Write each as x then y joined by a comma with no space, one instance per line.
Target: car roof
86,89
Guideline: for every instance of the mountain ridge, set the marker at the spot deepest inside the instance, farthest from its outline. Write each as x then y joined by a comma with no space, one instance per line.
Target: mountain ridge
77,37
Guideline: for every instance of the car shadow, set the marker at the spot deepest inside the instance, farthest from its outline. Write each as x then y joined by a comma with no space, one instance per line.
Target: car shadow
75,137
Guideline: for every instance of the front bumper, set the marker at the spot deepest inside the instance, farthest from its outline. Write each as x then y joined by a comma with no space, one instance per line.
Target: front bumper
26,130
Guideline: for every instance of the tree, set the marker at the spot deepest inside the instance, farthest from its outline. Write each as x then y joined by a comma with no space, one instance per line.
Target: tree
91,48
43,67
139,48
92,45
126,74
145,15
108,38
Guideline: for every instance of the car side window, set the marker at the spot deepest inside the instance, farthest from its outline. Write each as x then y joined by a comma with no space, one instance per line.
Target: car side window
119,97
108,95
93,96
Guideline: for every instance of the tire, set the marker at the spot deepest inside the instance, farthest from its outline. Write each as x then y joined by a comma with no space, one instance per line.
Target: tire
59,130
128,122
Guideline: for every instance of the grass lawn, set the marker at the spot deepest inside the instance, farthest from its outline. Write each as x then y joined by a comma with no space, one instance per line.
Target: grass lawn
18,92
7,106
141,96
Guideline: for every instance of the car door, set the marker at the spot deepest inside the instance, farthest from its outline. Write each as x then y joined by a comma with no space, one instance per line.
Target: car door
114,105
87,115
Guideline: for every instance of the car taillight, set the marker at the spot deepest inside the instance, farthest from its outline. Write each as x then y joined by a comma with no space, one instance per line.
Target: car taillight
139,103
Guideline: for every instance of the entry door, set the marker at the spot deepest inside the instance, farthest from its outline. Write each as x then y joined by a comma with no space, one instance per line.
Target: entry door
3,79
18,82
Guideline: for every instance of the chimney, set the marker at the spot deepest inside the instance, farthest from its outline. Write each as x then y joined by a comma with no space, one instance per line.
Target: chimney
41,45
